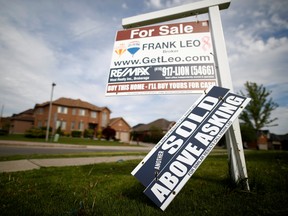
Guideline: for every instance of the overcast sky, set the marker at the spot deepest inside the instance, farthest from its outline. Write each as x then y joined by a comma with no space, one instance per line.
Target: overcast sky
70,42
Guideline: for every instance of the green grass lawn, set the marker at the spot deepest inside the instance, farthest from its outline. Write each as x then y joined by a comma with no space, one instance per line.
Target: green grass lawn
109,189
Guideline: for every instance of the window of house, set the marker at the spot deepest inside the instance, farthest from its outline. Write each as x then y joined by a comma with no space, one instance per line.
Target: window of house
39,124
74,111
81,126
72,125
61,124
93,114
63,110
104,119
63,127
58,124
40,110
82,112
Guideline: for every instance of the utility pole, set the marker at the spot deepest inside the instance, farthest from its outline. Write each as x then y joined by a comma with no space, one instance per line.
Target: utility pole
49,114
1,116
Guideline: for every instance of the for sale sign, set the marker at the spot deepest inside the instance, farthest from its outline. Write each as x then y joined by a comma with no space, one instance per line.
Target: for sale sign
172,162
171,58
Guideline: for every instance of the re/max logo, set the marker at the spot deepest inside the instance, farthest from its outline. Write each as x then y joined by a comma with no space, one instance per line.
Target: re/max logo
123,72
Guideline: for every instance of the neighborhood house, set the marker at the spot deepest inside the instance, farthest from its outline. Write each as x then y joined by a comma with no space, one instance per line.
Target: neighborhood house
70,115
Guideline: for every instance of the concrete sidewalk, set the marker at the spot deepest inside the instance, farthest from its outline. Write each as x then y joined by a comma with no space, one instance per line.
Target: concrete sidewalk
24,165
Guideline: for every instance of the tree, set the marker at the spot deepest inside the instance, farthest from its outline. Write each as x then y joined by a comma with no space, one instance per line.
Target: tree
257,113
156,134
109,133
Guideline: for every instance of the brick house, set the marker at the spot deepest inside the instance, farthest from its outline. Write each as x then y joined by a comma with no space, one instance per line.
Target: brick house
19,123
122,128
153,131
71,115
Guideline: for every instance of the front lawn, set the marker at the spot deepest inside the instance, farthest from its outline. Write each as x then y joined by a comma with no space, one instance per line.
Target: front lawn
109,189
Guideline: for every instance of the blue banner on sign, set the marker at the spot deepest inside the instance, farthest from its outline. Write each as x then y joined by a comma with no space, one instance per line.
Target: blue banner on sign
166,169
147,170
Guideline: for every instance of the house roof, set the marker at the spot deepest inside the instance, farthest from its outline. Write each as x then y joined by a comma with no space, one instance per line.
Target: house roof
73,103
137,126
275,137
161,123
26,115
23,118
115,120
26,112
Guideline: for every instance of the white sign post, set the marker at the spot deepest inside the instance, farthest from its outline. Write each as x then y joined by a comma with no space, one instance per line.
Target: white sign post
234,142
233,136
158,193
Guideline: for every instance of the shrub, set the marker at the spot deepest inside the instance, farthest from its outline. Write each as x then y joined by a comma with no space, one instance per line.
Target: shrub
99,134
36,132
76,133
59,131
3,132
88,133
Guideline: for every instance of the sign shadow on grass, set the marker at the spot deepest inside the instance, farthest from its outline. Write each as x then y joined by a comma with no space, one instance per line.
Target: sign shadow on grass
135,193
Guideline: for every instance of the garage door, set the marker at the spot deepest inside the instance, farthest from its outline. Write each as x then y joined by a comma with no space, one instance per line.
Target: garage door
123,136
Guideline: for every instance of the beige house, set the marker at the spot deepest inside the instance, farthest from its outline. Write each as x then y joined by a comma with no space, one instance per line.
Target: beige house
122,128
153,131
19,123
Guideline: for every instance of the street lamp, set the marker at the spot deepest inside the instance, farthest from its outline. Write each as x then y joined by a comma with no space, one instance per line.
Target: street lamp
49,115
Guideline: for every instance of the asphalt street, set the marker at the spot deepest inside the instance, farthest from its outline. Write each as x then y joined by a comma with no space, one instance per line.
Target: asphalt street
8,149
15,147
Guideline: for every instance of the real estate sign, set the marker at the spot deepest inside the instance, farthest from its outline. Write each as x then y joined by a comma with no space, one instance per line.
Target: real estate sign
172,162
163,59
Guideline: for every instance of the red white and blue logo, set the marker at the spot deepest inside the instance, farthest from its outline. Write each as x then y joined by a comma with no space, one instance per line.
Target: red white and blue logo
133,47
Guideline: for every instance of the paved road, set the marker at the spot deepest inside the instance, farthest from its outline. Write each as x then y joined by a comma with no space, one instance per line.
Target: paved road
29,164
27,150
7,150
18,147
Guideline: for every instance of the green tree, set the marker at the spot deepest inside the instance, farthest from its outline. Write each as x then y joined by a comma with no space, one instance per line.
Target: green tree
156,134
257,113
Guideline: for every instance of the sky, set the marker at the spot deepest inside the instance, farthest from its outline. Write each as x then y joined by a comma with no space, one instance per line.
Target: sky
70,43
